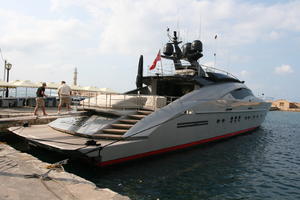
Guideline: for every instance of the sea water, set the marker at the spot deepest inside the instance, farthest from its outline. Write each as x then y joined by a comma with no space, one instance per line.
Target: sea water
26,92
262,165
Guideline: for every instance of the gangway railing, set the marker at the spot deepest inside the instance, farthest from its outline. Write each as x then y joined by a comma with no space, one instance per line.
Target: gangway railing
126,101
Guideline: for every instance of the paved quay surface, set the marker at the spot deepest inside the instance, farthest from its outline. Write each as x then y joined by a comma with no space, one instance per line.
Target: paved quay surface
20,173
28,111
17,116
19,179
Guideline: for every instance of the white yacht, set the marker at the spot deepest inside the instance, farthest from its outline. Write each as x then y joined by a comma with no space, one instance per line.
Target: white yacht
195,105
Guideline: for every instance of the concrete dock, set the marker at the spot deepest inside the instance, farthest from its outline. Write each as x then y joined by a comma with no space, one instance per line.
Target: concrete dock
20,178
23,176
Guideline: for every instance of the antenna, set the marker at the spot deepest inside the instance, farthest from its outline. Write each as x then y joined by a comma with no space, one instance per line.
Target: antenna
187,34
4,67
168,34
178,29
215,53
200,26
178,23
228,57
1,55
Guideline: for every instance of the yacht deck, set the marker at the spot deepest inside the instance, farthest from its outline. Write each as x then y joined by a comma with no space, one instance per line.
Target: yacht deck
47,136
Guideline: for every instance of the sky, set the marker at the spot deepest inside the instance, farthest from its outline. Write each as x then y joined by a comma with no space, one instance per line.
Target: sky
258,41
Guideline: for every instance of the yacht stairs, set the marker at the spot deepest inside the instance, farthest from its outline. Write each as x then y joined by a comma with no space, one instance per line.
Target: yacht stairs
120,127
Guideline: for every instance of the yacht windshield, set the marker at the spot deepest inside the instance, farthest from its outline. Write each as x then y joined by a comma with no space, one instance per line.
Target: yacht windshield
241,93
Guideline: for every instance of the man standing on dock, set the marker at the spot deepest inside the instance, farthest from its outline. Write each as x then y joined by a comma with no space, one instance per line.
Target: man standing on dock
40,94
64,93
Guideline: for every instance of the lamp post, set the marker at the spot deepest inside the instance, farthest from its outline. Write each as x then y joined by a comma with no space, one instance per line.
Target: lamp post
7,67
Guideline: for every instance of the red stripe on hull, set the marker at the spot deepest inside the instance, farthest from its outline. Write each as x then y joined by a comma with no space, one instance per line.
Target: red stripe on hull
182,146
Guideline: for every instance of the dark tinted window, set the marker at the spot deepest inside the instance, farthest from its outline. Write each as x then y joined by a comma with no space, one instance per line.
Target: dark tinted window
241,93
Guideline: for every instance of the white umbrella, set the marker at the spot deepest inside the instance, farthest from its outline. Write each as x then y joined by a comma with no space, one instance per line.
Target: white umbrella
26,83
52,85
76,87
107,90
6,84
91,89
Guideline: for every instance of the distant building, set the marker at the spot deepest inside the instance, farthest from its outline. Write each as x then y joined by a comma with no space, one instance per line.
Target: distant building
283,104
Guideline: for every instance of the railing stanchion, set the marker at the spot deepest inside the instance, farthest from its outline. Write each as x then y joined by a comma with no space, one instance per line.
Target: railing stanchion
96,99
110,101
105,100
89,104
124,101
83,103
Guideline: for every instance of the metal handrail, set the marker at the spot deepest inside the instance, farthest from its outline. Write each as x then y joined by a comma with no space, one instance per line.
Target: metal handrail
207,68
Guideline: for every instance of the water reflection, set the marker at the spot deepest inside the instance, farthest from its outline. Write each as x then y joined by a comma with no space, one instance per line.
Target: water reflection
87,125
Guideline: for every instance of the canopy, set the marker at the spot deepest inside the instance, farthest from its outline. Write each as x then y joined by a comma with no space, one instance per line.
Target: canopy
107,90
25,83
91,88
52,85
6,84
76,87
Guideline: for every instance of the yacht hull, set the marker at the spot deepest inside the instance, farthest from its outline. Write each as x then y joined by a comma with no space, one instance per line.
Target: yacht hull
182,132
174,148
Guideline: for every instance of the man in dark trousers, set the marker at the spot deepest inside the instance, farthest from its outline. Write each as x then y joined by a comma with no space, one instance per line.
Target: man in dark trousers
40,94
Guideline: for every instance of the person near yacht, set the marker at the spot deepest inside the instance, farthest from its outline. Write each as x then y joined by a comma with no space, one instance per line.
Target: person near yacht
40,94
64,93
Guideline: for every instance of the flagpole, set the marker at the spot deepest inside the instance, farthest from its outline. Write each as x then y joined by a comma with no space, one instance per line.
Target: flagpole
161,66
155,62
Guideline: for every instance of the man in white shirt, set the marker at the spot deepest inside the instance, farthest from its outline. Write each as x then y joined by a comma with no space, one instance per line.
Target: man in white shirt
64,93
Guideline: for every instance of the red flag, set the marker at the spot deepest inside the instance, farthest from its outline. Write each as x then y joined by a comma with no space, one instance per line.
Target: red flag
158,58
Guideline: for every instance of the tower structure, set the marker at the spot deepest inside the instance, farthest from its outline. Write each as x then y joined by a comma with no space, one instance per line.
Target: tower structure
75,77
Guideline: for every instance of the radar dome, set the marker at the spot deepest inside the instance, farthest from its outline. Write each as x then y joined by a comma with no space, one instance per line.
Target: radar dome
168,49
196,45
186,49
